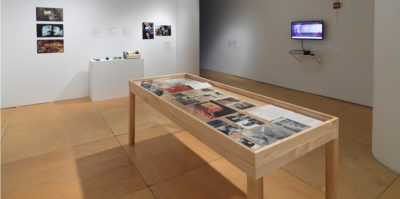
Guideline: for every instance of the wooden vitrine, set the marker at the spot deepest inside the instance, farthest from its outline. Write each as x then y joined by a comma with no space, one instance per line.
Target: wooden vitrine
255,162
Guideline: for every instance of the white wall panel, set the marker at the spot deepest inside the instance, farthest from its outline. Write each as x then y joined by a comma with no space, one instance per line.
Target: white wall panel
386,132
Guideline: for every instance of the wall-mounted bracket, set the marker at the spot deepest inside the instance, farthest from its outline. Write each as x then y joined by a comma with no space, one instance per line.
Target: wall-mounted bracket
312,55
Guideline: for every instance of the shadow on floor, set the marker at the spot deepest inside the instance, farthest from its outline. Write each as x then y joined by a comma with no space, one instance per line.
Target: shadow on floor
161,161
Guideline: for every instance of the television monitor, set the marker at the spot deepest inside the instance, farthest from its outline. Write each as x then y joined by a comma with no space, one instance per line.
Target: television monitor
308,30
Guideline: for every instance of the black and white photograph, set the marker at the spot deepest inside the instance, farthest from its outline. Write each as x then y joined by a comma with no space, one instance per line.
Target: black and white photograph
238,117
250,123
266,135
228,100
212,94
290,124
230,129
196,94
186,99
178,95
50,30
156,91
217,123
160,85
243,105
248,143
145,85
152,89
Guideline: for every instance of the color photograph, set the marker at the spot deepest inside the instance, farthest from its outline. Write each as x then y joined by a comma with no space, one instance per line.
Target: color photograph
163,30
212,109
178,89
49,14
50,46
50,30
148,30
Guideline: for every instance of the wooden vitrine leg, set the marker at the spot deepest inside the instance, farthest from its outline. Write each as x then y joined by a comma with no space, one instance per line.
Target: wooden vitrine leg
131,118
332,169
255,188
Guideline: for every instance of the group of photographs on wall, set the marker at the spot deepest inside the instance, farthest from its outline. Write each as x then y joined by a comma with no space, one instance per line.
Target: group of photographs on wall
254,126
160,30
49,31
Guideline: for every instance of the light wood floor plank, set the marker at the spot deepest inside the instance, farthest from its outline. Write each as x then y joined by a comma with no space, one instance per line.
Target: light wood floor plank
160,154
360,175
99,169
393,192
220,179
6,115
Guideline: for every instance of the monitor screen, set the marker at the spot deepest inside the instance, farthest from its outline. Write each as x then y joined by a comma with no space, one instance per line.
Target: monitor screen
308,30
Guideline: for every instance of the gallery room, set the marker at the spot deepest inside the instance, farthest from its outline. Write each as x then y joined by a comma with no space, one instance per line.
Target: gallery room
200,99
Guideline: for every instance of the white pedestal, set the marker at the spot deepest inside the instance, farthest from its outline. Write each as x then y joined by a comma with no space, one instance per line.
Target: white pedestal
109,79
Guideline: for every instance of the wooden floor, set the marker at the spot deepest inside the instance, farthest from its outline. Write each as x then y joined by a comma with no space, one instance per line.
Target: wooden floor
78,149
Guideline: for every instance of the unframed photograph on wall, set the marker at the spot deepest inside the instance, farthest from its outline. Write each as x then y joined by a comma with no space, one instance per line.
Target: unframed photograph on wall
49,14
50,30
148,30
162,30
50,46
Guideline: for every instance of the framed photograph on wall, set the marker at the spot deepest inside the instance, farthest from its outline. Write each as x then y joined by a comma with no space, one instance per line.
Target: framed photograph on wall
50,30
50,46
49,14
148,30
162,30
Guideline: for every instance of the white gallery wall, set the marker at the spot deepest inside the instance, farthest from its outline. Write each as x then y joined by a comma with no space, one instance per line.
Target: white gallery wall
188,32
252,38
93,29
386,133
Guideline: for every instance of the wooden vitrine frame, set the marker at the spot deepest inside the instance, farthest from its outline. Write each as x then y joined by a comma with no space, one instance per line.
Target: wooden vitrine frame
255,163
